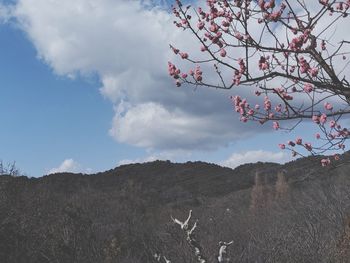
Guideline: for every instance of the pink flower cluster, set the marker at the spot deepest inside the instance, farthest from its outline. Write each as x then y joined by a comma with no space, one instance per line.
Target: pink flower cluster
297,43
308,87
320,119
198,74
304,65
223,52
264,5
328,106
175,73
263,63
239,104
298,141
325,162
215,39
239,73
267,103
283,93
200,25
216,25
275,125
342,6
242,107
273,16
183,55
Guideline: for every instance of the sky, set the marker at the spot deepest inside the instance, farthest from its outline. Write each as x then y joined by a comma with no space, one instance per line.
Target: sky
84,88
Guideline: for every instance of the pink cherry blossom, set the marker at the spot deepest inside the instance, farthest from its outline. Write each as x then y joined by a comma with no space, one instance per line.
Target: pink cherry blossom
267,104
183,55
200,25
282,146
214,28
323,118
223,52
308,146
276,125
328,106
314,72
244,119
325,162
308,87
278,108
298,60
316,119
239,36
332,123
299,141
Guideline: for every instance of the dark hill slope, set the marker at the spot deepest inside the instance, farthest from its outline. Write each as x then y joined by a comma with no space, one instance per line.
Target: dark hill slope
123,215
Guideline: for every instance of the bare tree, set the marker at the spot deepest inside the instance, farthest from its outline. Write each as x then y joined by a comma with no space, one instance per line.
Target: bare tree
9,169
192,241
281,186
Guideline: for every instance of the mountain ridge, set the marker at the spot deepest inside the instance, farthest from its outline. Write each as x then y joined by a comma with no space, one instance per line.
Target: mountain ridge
124,214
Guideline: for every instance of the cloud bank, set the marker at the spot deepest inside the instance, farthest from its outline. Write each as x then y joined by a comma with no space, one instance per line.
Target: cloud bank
126,44
68,165
237,159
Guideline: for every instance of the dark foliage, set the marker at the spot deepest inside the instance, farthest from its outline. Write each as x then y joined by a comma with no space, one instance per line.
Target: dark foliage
298,212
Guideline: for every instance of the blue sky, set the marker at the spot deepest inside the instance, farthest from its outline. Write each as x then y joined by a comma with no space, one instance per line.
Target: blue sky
47,118
80,92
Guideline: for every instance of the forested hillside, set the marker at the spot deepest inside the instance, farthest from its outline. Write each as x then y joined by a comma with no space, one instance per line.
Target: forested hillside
298,212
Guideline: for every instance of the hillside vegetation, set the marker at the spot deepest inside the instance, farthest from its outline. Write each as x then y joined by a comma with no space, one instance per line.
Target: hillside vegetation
298,212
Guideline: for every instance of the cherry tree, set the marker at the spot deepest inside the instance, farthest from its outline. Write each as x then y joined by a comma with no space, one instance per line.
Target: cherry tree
292,56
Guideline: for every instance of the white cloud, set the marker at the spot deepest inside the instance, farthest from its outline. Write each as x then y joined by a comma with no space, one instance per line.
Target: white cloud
70,166
179,156
150,124
150,158
127,46
237,159
103,36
